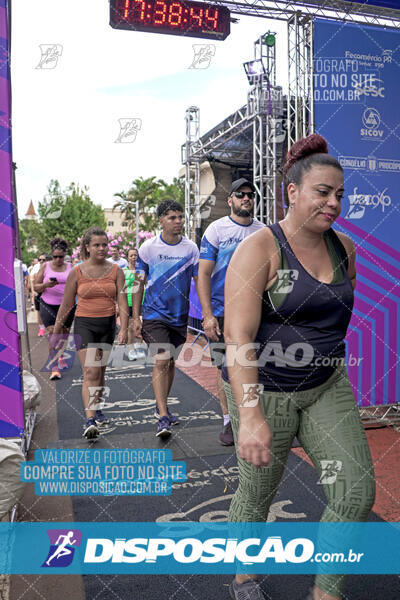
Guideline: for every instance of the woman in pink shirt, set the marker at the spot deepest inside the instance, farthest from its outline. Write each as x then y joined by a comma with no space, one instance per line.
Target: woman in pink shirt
50,282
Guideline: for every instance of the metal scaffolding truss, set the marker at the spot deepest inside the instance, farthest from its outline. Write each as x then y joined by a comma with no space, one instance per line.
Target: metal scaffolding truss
339,10
216,141
192,171
248,138
300,105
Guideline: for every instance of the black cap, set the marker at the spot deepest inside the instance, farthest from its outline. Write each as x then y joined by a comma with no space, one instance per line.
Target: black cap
239,183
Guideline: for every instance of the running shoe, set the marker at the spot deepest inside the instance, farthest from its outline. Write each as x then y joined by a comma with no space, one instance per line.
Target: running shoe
91,432
249,590
132,354
173,420
100,418
55,374
62,363
226,435
41,331
140,351
163,428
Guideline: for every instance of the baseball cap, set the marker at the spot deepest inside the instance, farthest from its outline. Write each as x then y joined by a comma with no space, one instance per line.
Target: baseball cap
239,183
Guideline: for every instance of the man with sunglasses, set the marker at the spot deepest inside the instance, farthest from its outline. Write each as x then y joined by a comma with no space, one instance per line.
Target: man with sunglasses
218,244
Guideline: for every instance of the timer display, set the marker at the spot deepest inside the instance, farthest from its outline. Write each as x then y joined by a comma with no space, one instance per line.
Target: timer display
176,17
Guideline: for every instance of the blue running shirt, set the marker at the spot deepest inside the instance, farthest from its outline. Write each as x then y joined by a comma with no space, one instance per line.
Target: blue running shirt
219,242
169,269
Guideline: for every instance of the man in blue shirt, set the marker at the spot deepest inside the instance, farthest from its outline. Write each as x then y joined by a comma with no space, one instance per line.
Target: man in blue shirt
217,247
168,261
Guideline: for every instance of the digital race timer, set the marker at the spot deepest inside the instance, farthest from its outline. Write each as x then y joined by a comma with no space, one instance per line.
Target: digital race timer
177,17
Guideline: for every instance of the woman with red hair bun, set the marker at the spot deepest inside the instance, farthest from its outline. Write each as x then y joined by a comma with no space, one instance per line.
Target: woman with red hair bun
289,292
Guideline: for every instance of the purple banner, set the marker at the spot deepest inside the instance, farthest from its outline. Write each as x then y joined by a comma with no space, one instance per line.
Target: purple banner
11,403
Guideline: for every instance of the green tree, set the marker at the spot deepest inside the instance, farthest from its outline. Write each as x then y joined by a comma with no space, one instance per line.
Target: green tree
30,234
149,192
174,190
67,213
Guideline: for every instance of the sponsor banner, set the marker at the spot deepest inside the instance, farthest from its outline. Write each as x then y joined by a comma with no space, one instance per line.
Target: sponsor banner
194,548
356,87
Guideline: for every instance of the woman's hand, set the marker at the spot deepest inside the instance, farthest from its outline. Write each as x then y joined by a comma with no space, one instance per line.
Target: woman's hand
254,441
50,284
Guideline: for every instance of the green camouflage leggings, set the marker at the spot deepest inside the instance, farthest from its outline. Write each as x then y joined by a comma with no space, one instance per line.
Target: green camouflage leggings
326,422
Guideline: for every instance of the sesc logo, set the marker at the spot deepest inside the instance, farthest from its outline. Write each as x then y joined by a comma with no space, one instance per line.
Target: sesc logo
62,547
369,86
371,120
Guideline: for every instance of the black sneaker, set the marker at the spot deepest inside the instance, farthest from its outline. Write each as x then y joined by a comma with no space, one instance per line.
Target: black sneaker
226,435
249,590
91,432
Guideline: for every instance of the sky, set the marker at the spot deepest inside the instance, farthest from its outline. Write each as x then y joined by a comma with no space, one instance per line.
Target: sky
66,119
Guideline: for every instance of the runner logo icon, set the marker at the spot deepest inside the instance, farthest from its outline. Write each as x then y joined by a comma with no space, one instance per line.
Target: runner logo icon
330,471
371,120
286,279
62,547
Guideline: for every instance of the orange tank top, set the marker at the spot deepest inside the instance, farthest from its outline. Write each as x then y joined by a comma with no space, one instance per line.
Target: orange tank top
96,296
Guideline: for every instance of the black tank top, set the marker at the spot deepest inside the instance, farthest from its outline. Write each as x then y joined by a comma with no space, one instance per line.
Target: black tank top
302,341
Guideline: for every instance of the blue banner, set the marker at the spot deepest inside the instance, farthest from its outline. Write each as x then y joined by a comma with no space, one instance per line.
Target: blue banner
194,548
356,92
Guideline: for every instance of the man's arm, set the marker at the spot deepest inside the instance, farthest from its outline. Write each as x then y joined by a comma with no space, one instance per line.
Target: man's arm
210,323
137,297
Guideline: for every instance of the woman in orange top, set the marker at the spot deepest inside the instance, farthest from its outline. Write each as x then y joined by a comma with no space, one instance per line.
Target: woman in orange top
97,283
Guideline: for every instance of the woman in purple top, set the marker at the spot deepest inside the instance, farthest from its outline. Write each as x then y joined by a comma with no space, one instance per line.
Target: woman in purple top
50,282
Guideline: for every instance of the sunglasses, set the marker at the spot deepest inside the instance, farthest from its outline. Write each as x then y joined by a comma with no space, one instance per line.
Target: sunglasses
58,255
42,259
241,195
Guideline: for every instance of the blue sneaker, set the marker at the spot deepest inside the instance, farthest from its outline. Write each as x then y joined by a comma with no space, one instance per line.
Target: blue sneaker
173,420
91,432
163,428
100,418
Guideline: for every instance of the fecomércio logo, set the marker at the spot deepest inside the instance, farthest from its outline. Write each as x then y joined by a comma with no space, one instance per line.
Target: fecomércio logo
62,547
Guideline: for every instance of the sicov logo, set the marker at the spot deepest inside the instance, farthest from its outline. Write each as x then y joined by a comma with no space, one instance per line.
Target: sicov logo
371,119
62,547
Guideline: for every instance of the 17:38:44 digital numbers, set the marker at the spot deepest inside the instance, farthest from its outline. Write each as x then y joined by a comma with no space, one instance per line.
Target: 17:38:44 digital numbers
176,17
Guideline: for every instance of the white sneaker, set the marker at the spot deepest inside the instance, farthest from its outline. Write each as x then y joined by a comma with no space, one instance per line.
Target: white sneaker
140,350
132,354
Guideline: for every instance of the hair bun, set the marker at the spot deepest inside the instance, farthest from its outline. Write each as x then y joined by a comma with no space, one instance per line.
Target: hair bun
312,144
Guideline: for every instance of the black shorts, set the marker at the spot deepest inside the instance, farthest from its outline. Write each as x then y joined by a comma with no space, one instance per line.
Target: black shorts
159,332
48,312
94,330
216,351
37,302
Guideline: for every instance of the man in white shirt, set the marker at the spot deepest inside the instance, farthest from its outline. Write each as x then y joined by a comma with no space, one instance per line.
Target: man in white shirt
116,258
